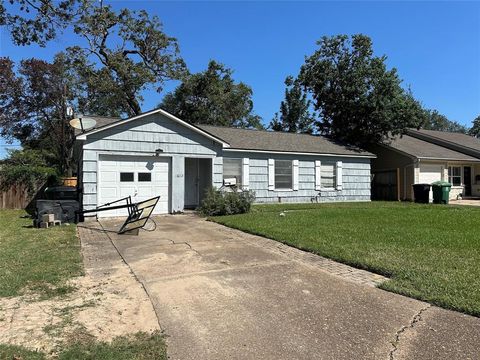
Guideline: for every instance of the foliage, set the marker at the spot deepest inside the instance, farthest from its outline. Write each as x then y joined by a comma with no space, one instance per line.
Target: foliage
219,202
28,168
294,110
127,52
33,105
37,21
212,97
430,252
437,121
475,129
358,100
38,260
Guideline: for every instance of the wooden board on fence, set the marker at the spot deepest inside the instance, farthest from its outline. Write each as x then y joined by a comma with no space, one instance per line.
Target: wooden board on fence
16,197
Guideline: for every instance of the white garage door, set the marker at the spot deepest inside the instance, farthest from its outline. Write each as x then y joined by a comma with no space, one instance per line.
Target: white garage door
139,177
430,173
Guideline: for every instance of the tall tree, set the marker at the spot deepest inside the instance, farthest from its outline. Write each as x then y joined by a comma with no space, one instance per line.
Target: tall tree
38,21
437,121
126,53
475,129
33,106
212,97
358,99
295,113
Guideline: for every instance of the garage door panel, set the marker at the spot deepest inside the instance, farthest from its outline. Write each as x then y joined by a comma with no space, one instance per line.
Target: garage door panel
109,192
109,176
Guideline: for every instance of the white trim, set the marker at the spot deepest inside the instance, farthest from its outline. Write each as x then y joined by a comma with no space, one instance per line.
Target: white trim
339,175
164,113
295,175
246,173
271,174
447,159
318,175
298,153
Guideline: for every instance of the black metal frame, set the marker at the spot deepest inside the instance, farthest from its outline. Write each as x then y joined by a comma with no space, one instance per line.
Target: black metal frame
135,211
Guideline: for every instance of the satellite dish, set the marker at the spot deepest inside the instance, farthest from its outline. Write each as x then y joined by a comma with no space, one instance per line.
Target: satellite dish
83,123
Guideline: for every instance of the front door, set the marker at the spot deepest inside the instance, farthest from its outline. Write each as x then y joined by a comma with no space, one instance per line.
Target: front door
191,183
467,180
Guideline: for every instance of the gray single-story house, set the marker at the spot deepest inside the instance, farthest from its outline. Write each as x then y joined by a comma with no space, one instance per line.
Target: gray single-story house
156,153
425,156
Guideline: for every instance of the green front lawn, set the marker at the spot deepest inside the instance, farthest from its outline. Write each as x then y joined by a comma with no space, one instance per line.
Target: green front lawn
139,346
38,260
430,252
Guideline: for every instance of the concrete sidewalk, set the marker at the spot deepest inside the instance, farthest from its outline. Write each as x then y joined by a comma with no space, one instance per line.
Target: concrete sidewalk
223,294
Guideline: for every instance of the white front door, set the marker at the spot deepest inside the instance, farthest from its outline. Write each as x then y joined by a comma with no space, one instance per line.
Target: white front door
139,177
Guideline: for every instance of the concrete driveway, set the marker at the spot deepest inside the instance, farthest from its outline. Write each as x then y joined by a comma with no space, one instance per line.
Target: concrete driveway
223,294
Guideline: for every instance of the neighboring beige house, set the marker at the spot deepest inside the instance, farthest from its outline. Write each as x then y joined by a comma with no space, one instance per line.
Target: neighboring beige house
425,156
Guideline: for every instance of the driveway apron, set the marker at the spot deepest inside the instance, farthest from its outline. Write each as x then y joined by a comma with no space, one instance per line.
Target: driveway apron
223,294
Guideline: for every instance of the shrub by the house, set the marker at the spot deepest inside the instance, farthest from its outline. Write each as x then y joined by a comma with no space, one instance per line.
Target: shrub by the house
218,202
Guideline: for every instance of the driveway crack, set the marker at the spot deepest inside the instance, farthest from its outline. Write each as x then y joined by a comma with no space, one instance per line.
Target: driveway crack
185,243
396,341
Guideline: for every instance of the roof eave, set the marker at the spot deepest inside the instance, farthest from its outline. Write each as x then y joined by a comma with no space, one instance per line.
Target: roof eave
368,156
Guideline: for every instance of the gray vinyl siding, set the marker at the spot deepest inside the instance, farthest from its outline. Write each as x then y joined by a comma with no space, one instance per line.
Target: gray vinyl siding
143,136
356,178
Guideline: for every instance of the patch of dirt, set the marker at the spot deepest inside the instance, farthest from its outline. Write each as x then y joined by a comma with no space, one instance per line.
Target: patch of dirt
108,302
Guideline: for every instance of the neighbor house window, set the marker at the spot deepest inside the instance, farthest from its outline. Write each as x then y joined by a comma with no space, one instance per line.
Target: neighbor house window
126,176
283,174
455,175
232,169
328,175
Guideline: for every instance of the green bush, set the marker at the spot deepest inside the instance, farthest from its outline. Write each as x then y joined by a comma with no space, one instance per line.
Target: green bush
219,202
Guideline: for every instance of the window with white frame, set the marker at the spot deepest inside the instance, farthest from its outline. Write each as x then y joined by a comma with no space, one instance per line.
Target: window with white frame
455,175
328,175
283,174
232,169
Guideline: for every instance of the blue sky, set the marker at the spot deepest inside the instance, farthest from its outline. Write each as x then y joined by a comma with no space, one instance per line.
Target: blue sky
434,45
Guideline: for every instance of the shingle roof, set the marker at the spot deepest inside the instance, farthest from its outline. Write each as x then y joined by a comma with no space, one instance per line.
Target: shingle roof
423,149
101,122
454,138
248,139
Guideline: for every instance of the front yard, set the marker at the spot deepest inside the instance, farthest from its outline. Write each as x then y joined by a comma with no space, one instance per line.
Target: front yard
430,252
38,266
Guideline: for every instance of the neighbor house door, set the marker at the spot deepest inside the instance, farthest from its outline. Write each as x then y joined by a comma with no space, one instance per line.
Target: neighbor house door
467,180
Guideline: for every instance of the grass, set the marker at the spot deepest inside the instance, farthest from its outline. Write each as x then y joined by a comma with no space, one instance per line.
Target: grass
430,252
36,260
140,346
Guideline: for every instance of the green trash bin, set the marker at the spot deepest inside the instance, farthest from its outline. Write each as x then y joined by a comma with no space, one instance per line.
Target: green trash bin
441,192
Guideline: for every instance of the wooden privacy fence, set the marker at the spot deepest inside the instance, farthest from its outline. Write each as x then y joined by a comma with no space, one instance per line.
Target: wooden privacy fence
16,197
386,185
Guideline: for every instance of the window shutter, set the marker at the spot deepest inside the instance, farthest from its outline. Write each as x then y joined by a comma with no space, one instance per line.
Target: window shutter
339,175
271,174
246,173
318,175
295,174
